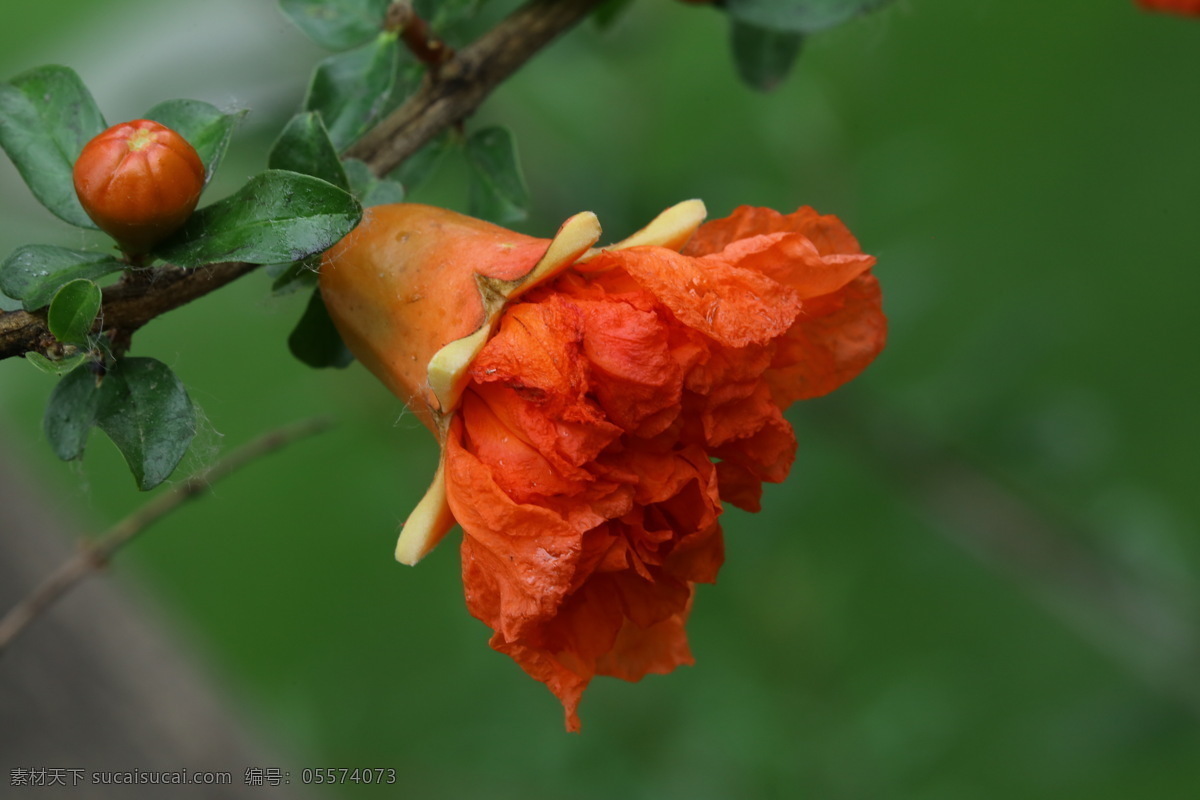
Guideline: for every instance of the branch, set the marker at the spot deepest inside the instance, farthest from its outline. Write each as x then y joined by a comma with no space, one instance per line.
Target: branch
447,95
96,554
461,83
128,305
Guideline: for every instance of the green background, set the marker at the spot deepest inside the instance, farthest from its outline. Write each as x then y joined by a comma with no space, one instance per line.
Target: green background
914,613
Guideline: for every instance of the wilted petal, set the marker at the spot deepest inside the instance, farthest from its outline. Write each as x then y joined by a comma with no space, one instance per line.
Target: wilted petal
527,553
834,340
733,306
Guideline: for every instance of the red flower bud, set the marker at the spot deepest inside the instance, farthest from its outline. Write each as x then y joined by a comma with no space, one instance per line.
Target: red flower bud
138,181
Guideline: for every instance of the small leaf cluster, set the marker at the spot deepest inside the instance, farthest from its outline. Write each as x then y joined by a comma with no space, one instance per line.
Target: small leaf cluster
47,115
369,76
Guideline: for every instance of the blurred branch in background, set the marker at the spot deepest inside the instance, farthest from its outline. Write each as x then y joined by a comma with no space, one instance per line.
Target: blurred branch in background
101,684
1153,633
446,96
94,555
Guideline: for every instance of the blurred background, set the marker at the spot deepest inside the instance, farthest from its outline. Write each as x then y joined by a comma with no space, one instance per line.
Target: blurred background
981,578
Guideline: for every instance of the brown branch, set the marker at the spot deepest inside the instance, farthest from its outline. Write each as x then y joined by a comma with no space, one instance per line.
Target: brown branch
462,82
94,555
446,96
128,305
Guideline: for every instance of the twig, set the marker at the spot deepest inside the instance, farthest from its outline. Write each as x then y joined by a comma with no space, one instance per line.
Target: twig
446,96
94,555
461,83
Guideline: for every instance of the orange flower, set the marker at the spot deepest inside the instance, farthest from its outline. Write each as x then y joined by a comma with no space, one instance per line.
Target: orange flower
595,407
1191,7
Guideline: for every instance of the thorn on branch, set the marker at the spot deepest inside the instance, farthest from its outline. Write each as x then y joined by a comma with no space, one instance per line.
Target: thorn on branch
416,34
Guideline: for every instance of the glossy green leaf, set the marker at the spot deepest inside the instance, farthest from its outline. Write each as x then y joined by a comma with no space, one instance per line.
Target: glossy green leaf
47,115
71,412
73,310
497,192
799,16
56,367
277,217
370,190
337,24
146,411
304,147
34,273
315,340
763,56
301,274
206,128
352,90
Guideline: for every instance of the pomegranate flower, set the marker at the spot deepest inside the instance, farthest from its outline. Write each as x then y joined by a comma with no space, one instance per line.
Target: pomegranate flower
596,406
1185,7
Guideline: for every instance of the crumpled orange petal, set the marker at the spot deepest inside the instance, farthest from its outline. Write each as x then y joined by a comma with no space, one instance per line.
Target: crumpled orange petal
733,305
604,407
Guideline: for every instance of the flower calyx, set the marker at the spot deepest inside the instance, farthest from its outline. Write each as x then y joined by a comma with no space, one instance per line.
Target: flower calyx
417,291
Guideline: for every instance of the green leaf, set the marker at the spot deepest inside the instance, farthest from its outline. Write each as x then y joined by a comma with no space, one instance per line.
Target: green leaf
304,147
421,164
34,273
146,411
206,128
337,24
301,274
352,90
71,412
764,57
73,311
56,367
315,340
370,190
497,192
47,115
799,16
277,217
142,406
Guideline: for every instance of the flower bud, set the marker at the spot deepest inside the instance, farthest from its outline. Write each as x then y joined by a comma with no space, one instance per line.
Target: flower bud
138,181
